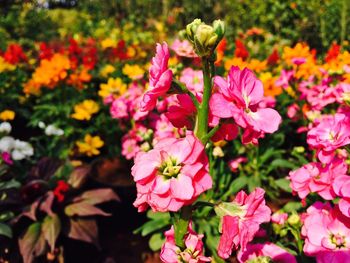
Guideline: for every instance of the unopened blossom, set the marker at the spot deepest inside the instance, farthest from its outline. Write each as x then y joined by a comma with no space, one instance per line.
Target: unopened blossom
318,178
266,252
192,253
235,163
241,220
327,234
160,78
329,133
238,97
171,175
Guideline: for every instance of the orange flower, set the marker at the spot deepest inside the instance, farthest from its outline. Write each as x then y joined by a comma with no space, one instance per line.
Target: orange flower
49,73
79,78
300,50
270,89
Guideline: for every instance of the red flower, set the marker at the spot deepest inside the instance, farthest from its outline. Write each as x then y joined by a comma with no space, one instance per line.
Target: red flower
61,188
45,51
241,51
333,52
14,54
273,58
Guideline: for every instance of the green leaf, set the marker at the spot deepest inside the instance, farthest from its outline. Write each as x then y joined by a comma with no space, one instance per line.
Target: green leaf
283,164
51,229
32,244
283,183
156,241
152,226
83,209
5,230
9,184
292,207
157,215
236,185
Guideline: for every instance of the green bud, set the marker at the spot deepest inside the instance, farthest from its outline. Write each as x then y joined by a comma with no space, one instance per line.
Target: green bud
299,149
219,28
182,34
283,232
191,29
294,219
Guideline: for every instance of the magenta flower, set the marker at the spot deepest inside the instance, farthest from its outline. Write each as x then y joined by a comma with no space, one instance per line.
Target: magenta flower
266,250
160,78
240,226
239,97
182,112
193,79
329,134
129,148
193,253
317,178
171,175
285,78
6,157
327,234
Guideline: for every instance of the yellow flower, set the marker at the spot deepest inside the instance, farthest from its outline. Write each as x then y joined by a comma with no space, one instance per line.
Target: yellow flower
5,66
7,115
115,87
107,43
300,50
90,145
131,52
133,71
106,70
85,109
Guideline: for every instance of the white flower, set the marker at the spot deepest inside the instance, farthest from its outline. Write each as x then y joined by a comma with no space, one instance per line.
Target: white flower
53,130
6,144
22,150
5,127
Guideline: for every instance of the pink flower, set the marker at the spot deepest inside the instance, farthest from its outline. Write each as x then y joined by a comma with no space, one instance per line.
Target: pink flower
171,175
341,186
240,227
193,80
160,78
279,218
183,48
6,157
234,164
119,109
269,250
327,234
329,134
239,97
284,79
129,148
292,111
193,253
314,177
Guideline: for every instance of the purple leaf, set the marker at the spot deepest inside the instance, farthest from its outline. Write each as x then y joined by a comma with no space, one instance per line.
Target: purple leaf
84,229
83,209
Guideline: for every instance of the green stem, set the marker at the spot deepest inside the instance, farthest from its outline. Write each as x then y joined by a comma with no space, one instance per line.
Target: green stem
210,134
181,222
202,117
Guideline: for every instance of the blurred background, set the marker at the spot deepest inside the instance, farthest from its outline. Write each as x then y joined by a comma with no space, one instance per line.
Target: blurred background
318,22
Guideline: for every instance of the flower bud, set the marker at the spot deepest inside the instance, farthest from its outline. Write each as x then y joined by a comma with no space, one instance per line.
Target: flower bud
294,219
191,29
219,28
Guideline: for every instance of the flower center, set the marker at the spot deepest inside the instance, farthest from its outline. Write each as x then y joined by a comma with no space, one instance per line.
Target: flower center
338,240
170,168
